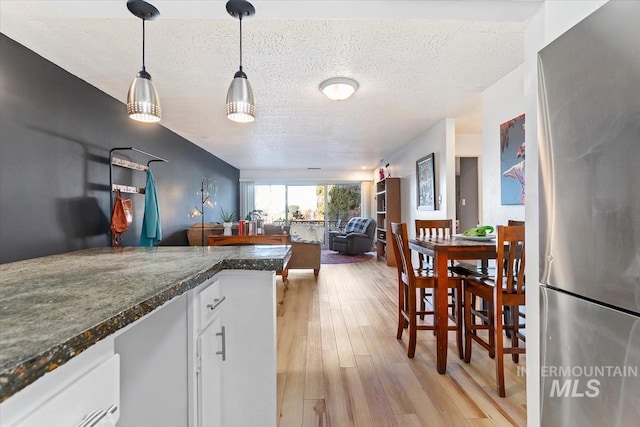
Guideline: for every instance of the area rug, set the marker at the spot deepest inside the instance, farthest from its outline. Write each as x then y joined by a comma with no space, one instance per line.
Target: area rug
332,257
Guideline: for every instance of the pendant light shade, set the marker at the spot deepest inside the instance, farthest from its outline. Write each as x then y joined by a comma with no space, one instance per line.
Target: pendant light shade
143,103
240,103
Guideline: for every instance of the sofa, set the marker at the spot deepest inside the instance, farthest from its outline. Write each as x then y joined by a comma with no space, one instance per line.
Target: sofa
306,246
304,255
357,237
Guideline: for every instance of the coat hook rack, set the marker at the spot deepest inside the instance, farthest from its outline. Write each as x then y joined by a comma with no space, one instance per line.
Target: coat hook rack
128,164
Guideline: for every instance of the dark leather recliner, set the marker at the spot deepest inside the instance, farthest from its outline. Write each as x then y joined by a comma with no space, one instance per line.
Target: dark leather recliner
353,242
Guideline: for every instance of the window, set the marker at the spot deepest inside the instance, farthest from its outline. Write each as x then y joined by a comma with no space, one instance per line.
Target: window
272,199
325,205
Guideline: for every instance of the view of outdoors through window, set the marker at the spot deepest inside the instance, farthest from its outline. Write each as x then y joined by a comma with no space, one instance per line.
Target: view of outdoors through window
305,203
344,201
272,200
325,205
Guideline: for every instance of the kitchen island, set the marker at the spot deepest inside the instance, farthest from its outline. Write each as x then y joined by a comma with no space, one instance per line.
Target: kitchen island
54,308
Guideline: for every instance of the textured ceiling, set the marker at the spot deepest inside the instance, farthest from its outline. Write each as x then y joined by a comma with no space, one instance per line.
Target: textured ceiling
417,62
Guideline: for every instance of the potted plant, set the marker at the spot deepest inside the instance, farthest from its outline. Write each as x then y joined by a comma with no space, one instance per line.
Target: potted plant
227,221
255,214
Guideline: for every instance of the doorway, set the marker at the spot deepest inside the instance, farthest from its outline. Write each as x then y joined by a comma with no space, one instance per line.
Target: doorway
467,200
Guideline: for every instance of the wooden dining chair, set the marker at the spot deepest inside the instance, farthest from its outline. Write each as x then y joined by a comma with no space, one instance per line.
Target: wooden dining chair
507,312
428,228
506,289
409,281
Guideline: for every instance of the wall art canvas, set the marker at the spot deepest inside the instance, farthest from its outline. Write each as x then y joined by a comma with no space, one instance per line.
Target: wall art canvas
512,143
426,183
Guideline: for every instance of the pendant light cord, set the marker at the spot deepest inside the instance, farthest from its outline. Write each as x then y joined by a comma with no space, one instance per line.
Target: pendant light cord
240,42
143,32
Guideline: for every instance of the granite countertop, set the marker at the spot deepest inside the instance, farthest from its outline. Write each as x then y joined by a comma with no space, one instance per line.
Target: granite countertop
53,308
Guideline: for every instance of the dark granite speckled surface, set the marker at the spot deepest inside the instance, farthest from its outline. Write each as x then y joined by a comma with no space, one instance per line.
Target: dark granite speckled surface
55,307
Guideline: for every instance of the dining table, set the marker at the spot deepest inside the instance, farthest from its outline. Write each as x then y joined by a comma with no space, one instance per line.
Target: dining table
443,249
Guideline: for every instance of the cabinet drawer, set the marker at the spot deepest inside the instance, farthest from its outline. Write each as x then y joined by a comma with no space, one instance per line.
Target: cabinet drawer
210,300
93,399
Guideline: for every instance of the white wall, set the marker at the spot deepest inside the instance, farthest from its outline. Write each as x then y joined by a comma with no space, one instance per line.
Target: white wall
468,145
440,140
552,20
501,102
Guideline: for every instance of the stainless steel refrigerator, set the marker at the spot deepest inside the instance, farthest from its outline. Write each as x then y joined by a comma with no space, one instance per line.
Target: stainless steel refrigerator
589,172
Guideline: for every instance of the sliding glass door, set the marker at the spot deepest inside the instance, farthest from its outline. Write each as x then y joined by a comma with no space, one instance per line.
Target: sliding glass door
305,203
311,210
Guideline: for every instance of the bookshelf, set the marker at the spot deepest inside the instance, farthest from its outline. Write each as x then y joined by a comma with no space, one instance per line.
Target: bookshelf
387,211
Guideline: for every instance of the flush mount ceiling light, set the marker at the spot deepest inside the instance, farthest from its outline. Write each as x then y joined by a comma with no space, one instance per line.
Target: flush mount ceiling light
339,88
143,103
240,104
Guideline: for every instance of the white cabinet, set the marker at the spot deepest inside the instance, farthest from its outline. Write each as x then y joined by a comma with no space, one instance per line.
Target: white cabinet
206,358
83,392
234,354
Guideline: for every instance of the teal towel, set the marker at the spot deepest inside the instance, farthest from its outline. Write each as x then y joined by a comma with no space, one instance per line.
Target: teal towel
151,230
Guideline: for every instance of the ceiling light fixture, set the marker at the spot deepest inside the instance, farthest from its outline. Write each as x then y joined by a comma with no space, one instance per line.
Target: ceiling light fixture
339,88
143,103
240,104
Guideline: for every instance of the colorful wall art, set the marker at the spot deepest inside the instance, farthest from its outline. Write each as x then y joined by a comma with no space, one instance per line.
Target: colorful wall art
512,177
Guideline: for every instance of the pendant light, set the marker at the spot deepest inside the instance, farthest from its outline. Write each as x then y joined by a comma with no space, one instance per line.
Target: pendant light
143,103
240,104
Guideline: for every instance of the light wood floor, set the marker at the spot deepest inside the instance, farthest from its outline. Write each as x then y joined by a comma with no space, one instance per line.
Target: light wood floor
340,364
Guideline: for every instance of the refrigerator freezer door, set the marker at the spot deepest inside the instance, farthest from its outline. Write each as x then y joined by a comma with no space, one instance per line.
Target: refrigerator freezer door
590,158
590,363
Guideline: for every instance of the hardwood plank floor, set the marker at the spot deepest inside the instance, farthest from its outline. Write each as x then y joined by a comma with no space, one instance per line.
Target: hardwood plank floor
340,364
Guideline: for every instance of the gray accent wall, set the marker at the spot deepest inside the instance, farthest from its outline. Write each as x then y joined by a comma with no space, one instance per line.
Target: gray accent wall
56,131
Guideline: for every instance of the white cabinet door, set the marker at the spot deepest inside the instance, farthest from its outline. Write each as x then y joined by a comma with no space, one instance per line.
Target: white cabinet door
249,375
235,314
210,354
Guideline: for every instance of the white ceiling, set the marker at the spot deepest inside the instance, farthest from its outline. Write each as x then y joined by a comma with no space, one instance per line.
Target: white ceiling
417,62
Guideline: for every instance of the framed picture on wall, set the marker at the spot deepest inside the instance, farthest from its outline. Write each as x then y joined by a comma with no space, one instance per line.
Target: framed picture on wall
512,183
426,183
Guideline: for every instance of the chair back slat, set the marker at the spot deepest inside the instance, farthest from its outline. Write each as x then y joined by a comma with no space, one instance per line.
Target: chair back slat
511,255
427,228
433,227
